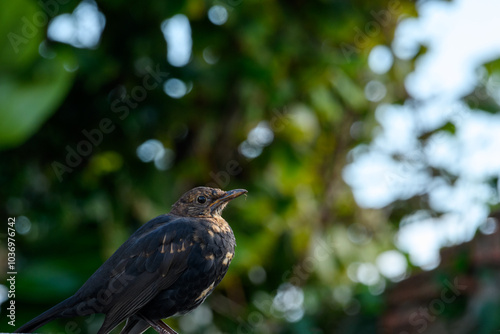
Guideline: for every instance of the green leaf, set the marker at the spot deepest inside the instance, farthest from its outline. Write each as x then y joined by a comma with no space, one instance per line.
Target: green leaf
26,104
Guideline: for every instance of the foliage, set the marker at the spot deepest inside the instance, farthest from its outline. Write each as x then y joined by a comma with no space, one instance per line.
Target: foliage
71,122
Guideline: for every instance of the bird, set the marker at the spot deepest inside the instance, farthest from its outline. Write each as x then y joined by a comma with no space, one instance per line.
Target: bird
167,267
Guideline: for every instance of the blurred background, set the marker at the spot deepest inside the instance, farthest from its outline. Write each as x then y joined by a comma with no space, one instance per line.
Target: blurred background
367,134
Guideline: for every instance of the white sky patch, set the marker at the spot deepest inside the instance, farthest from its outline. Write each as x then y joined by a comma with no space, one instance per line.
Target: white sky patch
479,139
438,112
399,128
428,234
459,39
461,197
403,45
424,235
377,180
442,151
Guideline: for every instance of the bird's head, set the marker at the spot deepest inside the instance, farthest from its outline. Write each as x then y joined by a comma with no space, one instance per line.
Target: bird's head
204,202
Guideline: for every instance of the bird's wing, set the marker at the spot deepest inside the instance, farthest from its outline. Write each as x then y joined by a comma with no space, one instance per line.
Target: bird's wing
146,264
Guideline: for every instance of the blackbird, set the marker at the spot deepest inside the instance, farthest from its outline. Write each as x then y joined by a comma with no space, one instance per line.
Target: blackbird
167,267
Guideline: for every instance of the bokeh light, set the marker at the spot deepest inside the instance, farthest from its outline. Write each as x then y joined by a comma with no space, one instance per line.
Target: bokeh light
23,225
177,33
175,88
392,264
81,29
259,137
210,56
153,150
217,15
380,59
289,302
375,91
257,275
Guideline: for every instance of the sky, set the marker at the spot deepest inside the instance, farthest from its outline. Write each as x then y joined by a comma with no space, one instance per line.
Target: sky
459,36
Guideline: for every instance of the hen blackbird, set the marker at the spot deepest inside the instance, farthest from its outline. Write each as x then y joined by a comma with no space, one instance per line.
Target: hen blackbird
167,267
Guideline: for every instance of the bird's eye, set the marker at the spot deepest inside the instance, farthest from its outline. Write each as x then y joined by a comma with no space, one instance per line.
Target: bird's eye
201,199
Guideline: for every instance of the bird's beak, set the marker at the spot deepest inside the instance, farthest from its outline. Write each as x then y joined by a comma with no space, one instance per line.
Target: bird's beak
228,196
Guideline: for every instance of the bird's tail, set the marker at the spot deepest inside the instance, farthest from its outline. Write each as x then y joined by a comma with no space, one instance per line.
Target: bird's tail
64,309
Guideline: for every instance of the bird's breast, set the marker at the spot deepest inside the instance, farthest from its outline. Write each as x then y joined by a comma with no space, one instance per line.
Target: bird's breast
217,244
